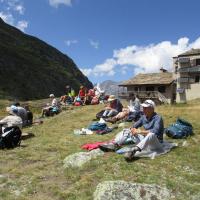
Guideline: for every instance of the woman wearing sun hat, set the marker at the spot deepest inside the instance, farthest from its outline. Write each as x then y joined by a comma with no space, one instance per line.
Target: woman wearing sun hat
114,107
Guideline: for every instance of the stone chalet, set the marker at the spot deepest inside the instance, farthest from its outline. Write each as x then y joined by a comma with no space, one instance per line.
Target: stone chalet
187,75
159,87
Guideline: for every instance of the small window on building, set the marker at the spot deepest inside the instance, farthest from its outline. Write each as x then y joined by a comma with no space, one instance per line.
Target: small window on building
162,89
136,88
197,61
150,88
197,78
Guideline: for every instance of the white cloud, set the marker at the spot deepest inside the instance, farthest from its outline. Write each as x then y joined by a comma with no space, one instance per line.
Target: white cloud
100,70
152,57
70,42
20,9
15,5
56,3
106,68
94,44
22,25
144,59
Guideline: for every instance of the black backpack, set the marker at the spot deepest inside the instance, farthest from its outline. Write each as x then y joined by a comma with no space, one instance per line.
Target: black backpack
10,137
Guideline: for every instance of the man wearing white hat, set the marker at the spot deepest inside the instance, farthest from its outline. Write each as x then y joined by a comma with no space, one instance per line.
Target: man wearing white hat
149,138
152,135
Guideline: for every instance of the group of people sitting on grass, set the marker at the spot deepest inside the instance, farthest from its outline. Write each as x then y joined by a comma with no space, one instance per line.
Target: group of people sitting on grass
85,96
17,116
114,110
150,137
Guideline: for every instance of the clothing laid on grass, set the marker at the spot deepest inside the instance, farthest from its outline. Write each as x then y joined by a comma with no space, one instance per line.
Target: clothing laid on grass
11,120
166,147
91,146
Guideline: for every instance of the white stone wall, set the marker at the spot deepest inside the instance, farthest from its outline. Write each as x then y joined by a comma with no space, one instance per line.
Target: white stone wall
191,91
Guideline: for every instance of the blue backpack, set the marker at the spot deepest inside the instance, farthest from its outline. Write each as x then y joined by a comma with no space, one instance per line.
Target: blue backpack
96,126
180,129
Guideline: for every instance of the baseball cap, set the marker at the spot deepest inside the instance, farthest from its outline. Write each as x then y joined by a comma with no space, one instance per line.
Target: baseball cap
148,103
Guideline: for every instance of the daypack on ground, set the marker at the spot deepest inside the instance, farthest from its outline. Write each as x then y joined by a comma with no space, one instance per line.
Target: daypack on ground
180,129
10,137
97,126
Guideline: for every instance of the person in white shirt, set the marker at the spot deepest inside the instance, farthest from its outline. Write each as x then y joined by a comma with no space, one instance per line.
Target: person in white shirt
54,105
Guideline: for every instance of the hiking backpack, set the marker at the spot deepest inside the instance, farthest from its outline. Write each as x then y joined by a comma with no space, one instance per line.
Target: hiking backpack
180,129
10,137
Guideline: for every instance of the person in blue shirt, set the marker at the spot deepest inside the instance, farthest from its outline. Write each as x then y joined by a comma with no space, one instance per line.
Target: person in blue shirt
151,136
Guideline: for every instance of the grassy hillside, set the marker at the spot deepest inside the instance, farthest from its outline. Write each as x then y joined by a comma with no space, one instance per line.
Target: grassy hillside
32,69
35,170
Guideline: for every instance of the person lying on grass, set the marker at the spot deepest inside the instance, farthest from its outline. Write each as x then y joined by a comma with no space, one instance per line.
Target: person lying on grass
149,138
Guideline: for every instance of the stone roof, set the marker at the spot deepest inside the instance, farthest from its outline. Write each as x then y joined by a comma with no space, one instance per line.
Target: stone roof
190,52
162,78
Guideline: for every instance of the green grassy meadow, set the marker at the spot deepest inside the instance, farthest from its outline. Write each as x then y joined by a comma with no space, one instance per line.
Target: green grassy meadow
35,170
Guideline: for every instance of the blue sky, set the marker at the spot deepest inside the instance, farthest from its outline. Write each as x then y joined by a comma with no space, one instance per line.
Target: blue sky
110,39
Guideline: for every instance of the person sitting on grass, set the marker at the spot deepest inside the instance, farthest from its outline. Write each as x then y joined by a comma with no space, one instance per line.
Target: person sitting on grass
29,115
12,119
149,138
46,111
21,113
132,110
114,107
70,93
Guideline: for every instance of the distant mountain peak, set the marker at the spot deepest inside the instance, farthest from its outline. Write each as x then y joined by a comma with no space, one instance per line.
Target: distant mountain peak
110,87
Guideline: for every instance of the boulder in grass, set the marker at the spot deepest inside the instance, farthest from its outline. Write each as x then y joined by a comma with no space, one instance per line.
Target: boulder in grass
80,158
118,190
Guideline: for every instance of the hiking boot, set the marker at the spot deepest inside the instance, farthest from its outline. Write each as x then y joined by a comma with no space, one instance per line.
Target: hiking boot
109,147
128,156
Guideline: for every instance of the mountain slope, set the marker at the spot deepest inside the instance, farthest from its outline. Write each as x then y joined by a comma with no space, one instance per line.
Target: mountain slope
31,69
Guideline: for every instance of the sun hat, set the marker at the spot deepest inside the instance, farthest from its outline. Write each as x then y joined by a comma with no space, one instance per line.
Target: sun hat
148,103
51,95
111,98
